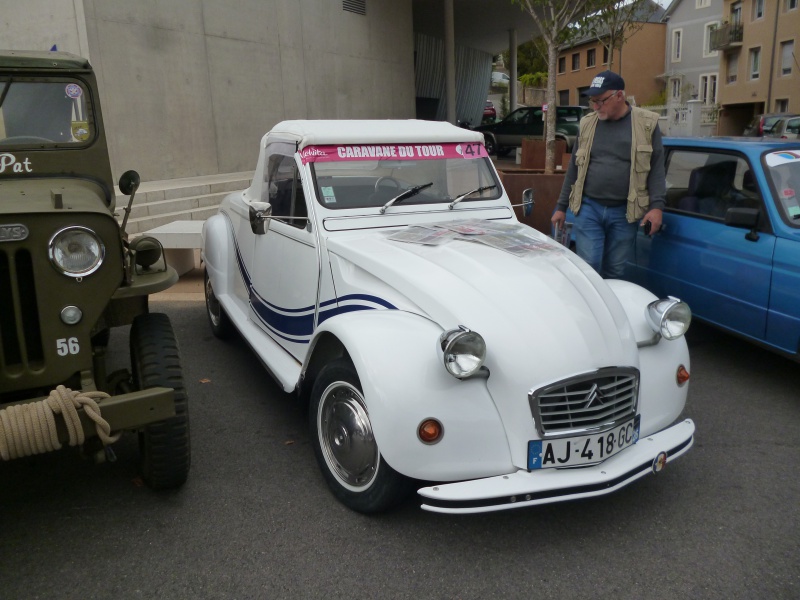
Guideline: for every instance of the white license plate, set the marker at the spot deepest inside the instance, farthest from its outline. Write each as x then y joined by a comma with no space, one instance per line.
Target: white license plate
584,449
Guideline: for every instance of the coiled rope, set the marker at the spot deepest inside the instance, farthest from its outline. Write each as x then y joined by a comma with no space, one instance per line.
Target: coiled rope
27,429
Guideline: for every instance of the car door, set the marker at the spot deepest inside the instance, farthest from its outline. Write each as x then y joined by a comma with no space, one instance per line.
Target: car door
511,130
285,267
721,271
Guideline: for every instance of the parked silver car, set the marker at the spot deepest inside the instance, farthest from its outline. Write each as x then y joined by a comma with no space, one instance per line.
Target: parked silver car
787,128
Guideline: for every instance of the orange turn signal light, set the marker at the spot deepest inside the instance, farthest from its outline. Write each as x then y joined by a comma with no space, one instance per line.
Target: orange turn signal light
682,375
430,431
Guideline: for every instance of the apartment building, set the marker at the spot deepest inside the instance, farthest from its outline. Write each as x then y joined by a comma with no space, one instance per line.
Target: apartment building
759,66
692,66
640,62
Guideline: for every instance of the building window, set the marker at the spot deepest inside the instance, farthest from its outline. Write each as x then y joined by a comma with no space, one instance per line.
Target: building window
791,5
733,68
675,89
576,61
758,9
708,88
562,64
755,63
563,97
590,57
782,105
736,13
702,3
605,55
787,52
707,51
677,35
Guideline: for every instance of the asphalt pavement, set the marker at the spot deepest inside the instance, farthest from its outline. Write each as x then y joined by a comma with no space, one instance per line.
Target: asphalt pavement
255,519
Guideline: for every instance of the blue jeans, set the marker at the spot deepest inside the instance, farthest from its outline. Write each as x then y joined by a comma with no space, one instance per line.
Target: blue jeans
604,238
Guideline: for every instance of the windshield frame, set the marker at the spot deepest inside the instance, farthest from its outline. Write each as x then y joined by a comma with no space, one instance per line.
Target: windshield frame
82,101
396,175
780,181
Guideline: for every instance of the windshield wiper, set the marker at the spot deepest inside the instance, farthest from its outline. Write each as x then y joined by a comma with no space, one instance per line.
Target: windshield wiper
407,194
475,191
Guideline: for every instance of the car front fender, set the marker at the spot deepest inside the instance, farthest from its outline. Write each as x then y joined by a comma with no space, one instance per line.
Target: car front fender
216,252
404,382
661,397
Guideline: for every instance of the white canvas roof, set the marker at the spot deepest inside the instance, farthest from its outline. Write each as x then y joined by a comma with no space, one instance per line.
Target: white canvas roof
326,132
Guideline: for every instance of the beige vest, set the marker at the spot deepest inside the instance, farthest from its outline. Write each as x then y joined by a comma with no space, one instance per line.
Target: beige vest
642,124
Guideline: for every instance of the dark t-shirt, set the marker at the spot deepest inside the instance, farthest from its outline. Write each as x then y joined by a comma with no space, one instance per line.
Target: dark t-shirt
608,175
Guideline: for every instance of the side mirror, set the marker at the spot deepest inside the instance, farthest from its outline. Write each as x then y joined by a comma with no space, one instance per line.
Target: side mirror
129,182
260,213
746,218
527,202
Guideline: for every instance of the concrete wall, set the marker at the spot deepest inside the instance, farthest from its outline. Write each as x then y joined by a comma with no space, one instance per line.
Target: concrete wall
190,86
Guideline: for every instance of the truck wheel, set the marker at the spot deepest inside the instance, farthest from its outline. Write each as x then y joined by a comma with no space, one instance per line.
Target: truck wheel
346,451
220,322
164,446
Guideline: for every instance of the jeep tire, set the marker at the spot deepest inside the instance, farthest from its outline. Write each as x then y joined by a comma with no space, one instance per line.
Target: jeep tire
155,361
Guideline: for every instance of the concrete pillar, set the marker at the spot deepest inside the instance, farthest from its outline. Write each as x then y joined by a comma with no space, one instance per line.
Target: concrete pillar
450,61
512,67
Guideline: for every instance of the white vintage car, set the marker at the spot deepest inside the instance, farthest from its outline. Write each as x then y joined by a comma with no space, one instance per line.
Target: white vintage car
378,270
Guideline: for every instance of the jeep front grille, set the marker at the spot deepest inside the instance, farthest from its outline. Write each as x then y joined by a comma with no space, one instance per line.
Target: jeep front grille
20,335
591,401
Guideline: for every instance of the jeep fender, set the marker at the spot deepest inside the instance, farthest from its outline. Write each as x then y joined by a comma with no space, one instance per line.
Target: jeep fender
474,443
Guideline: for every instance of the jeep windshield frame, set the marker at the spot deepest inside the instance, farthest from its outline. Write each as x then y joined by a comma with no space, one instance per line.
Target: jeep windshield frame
38,112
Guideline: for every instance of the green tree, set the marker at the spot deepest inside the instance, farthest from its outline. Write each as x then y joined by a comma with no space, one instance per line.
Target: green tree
555,18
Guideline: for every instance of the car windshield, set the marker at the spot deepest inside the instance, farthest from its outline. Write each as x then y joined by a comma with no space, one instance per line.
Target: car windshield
33,113
783,167
370,176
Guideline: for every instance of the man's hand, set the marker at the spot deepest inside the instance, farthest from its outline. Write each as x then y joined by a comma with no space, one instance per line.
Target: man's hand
653,217
558,219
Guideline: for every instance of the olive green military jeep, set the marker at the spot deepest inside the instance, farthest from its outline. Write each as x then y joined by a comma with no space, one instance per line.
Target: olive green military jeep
68,274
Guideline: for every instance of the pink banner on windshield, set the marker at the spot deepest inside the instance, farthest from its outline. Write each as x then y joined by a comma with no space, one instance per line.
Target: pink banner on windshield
467,150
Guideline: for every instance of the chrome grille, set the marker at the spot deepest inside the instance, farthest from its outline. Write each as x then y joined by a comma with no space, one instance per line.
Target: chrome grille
585,402
20,335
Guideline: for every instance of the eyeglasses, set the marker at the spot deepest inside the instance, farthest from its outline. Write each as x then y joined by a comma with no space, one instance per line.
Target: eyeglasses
599,103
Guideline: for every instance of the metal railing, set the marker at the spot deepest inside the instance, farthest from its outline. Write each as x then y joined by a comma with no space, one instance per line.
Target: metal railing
726,36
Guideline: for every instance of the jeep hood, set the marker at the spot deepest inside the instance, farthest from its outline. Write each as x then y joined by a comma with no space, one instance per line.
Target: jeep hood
548,307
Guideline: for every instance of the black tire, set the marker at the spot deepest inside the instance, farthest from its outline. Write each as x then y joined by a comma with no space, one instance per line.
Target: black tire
355,471
218,319
501,152
155,361
488,143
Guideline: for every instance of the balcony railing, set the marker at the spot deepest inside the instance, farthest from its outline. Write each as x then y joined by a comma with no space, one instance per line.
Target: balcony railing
726,36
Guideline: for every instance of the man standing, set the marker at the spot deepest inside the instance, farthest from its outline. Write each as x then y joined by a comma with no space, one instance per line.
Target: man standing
615,181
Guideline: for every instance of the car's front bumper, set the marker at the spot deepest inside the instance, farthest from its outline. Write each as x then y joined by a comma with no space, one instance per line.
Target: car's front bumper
524,488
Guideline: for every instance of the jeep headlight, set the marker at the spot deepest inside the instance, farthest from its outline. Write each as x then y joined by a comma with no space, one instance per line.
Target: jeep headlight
463,351
76,251
669,316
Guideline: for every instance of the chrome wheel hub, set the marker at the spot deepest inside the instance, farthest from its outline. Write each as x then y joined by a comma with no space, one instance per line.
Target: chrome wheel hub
345,436
212,304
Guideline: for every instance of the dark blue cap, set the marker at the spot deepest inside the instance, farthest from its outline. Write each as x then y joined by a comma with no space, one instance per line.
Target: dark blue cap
607,80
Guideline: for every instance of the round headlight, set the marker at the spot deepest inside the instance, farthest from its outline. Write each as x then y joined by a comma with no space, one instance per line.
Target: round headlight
464,351
670,317
76,251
